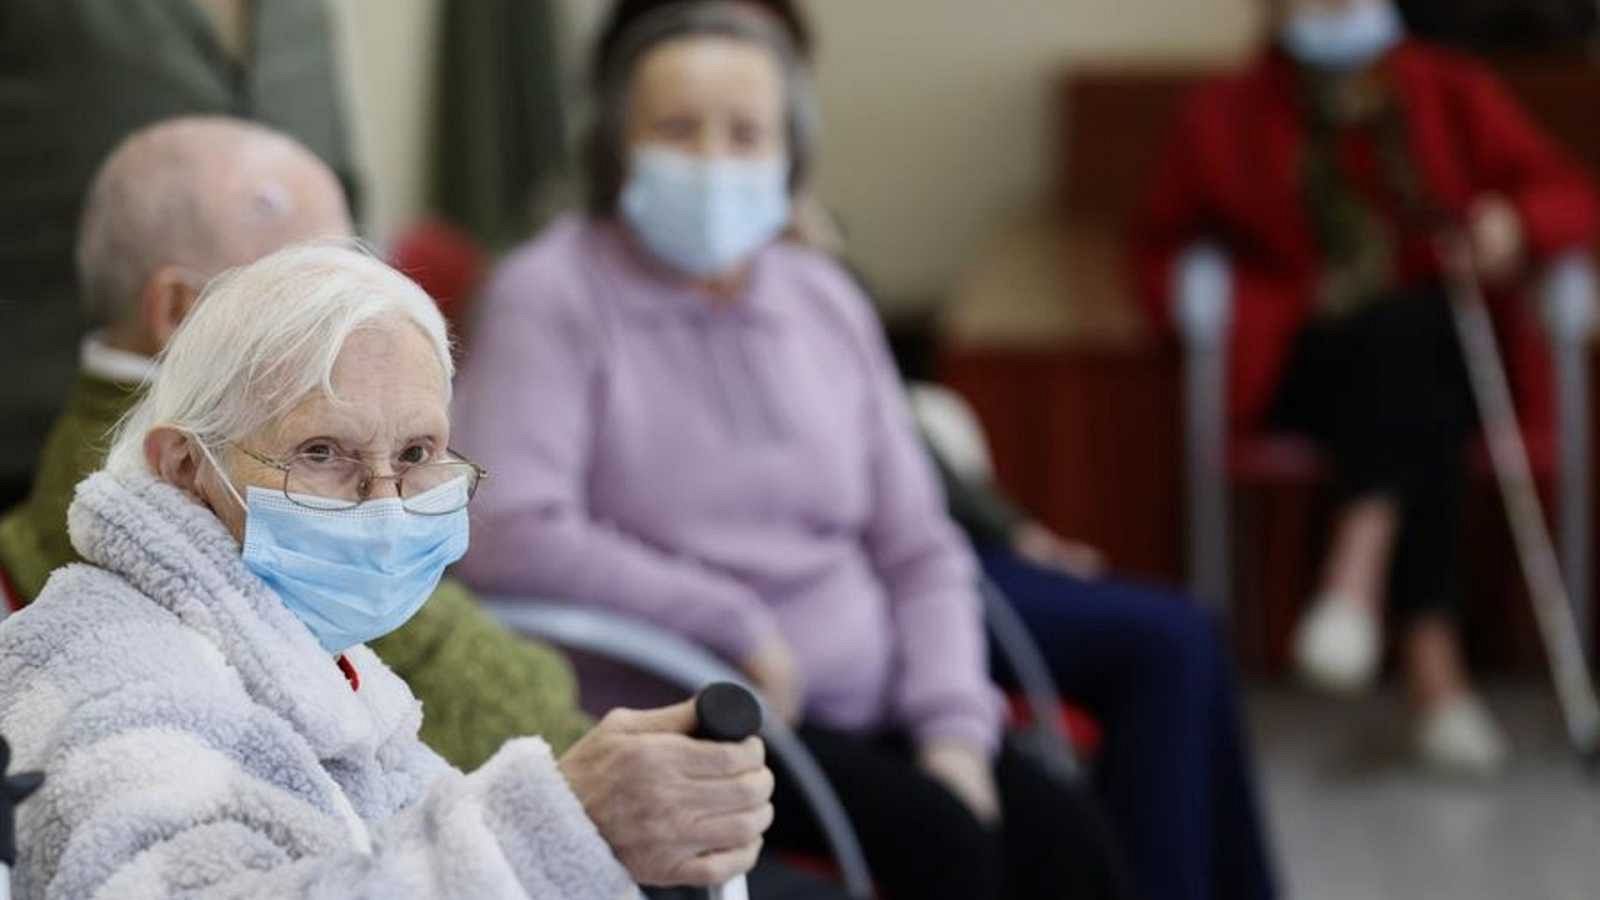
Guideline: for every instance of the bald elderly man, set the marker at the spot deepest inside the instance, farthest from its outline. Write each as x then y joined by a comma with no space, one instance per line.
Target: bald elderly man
174,205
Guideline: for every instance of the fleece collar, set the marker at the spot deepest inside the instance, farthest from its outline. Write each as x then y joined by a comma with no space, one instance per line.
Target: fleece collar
179,555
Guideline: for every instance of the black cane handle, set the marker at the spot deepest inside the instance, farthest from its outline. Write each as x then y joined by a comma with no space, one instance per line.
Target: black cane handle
726,712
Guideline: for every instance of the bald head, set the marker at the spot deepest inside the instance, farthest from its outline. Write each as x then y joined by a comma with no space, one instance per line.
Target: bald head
184,199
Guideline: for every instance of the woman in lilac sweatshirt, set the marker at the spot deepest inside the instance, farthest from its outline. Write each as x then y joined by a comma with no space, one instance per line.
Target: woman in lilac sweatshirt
696,422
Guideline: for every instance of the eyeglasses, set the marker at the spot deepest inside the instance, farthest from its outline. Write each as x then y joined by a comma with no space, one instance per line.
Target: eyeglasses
331,482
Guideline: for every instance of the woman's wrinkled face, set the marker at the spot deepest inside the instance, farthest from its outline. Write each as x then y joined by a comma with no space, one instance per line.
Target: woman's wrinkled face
709,97
390,408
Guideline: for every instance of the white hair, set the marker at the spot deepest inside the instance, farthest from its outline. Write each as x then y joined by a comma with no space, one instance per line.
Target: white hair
264,337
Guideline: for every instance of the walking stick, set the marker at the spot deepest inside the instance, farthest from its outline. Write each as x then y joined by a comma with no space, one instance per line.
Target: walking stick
728,713
1509,455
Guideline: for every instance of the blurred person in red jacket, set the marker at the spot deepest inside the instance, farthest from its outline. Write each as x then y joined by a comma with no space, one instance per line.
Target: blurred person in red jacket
1326,170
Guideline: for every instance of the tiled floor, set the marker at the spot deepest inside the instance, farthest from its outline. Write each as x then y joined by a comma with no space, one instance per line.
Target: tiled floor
1353,821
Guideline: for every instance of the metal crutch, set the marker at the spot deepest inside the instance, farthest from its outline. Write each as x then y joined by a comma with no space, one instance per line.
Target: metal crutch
1540,565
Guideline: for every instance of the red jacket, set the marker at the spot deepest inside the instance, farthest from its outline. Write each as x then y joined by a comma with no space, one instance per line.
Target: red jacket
1232,174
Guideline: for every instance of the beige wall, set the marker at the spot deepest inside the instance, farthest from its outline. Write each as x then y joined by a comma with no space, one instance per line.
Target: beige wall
939,116
938,113
389,63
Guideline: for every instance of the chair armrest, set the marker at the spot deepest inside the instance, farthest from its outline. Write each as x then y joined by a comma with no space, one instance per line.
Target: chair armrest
1569,298
1202,295
654,651
1569,303
664,655
1202,289
1048,738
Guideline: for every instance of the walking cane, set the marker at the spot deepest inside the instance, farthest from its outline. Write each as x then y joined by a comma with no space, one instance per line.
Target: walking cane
729,713
1552,608
13,790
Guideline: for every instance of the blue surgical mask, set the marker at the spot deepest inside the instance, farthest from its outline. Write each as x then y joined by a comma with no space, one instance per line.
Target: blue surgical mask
704,216
1342,40
352,575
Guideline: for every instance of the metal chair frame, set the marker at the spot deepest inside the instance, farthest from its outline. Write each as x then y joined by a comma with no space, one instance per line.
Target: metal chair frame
661,654
664,655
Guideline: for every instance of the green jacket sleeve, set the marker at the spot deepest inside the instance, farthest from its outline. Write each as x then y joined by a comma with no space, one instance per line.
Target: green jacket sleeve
479,683
33,535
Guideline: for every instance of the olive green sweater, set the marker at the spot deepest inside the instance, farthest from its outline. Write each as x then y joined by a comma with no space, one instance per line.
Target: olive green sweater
479,683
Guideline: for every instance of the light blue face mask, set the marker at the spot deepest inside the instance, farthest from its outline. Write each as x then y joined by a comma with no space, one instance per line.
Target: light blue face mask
1342,40
704,216
352,575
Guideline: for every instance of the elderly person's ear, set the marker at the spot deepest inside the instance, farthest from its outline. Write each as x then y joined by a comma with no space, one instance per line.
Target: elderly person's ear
177,458
167,298
174,458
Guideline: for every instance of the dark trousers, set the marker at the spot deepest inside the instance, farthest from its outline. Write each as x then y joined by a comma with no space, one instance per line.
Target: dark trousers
1385,392
923,844
1174,772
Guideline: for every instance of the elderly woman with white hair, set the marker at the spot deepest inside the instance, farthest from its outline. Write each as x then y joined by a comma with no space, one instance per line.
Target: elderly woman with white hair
198,693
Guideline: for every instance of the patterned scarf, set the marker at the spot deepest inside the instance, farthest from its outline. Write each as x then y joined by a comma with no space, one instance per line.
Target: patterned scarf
1359,243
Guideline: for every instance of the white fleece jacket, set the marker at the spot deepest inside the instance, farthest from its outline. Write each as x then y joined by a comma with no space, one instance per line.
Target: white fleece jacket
197,742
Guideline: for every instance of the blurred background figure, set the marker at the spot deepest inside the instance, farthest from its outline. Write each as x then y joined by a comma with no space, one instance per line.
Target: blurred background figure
175,207
1328,171
701,427
75,78
809,220
1147,664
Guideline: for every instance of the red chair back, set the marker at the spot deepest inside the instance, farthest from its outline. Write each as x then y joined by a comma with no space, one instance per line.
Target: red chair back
445,261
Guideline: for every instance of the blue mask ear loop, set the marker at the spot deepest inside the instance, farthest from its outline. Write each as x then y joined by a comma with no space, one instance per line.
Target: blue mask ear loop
228,482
